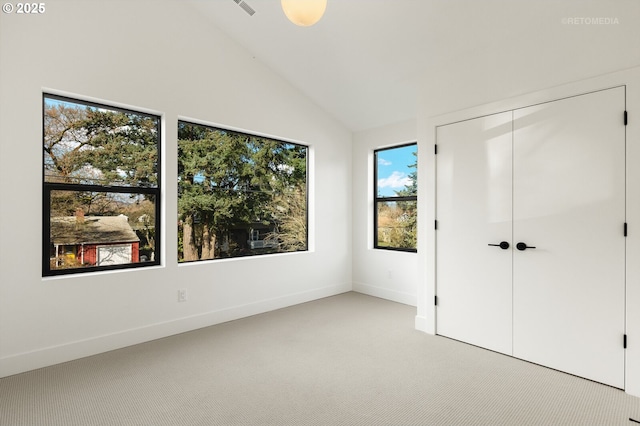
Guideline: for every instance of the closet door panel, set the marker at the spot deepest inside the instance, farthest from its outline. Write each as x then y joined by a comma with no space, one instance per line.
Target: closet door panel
473,211
569,203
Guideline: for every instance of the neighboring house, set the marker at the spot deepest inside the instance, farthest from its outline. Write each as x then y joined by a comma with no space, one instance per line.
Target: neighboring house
263,236
92,241
243,240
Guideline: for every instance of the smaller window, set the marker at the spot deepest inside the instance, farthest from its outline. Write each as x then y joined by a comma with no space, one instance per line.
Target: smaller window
396,198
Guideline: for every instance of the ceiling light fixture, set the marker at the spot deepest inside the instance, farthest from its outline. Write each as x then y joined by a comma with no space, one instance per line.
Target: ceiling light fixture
304,12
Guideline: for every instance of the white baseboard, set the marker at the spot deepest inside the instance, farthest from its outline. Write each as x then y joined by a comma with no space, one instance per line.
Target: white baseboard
421,324
52,355
385,293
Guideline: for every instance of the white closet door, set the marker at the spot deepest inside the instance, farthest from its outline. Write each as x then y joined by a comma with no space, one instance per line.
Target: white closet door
473,211
569,202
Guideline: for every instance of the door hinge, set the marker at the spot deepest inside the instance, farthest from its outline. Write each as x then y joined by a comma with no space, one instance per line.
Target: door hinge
624,341
626,119
435,225
625,229
435,300
435,149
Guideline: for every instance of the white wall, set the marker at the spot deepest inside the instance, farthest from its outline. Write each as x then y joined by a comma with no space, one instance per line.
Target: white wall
382,273
164,58
522,47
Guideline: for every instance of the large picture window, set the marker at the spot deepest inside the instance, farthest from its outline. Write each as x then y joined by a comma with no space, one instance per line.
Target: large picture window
101,187
239,194
396,198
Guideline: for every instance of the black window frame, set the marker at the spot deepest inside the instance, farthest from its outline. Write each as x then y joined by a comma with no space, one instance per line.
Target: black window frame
49,187
378,199
306,187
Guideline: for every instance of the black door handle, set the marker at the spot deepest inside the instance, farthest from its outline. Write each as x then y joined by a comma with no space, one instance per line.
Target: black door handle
523,246
503,245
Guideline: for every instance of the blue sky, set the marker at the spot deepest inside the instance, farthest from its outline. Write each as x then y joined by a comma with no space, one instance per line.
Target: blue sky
55,102
394,170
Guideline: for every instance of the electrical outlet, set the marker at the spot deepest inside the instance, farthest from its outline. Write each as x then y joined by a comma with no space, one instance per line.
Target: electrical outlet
182,295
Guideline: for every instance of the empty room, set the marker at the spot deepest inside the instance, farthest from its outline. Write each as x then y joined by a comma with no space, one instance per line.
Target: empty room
358,212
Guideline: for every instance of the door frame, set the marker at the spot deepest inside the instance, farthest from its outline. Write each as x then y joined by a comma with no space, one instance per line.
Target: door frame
425,319
468,231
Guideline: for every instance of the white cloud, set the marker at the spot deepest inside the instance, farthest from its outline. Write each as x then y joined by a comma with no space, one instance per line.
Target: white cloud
383,162
396,180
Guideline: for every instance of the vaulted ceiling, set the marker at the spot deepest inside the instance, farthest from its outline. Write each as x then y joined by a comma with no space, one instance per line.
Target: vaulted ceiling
367,61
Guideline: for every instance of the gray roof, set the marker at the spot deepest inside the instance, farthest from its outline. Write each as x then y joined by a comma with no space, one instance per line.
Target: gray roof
70,230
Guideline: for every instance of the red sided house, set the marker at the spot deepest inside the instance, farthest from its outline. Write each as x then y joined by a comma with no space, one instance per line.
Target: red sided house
92,241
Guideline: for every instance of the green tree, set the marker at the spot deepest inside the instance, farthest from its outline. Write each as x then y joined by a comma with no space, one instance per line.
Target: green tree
412,188
213,186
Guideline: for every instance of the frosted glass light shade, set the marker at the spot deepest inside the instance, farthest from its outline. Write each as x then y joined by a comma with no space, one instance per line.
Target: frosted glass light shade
304,12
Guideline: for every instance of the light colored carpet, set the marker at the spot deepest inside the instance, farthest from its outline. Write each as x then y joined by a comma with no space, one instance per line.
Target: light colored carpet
344,360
